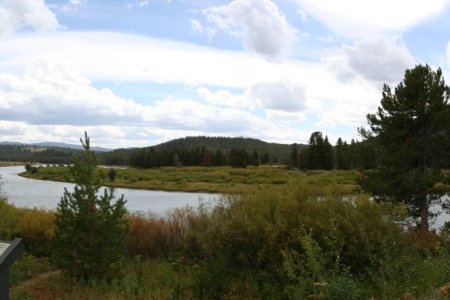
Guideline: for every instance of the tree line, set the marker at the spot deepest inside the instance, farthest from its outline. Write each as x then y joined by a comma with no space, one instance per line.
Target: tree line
321,155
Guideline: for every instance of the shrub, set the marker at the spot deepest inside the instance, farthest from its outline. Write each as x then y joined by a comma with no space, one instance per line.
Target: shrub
36,227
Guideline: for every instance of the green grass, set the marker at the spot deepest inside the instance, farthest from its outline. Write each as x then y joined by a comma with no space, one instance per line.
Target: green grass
212,179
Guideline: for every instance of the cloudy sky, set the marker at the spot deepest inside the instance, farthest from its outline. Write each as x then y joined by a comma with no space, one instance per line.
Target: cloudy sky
137,73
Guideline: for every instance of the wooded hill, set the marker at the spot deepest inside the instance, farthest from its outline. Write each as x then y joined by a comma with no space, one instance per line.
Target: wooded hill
200,150
33,153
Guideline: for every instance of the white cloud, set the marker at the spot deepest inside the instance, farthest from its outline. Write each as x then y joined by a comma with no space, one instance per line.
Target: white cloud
225,98
56,94
51,84
118,57
53,102
356,18
143,3
69,5
282,96
303,16
196,26
380,59
18,14
259,23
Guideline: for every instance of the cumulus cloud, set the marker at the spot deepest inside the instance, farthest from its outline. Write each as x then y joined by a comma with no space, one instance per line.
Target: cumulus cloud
51,93
223,80
18,14
282,96
355,18
380,59
259,23
53,102
225,98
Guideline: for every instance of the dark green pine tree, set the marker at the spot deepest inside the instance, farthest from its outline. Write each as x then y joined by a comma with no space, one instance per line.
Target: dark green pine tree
293,159
328,156
411,135
319,155
90,226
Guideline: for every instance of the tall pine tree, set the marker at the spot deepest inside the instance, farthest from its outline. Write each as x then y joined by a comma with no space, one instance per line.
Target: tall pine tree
411,134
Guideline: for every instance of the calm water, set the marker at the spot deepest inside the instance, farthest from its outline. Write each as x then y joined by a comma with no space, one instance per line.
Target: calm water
24,192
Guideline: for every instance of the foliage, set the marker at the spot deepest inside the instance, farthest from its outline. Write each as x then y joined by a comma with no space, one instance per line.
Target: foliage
90,228
411,134
112,173
319,155
278,237
289,242
30,153
8,219
36,227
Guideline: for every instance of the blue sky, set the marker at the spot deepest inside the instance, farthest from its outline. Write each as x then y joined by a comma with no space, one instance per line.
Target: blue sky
141,72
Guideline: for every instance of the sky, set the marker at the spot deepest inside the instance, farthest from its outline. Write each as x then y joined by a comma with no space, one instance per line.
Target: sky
140,72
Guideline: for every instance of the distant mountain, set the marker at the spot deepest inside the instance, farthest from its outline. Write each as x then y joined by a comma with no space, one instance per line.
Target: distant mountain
69,146
57,145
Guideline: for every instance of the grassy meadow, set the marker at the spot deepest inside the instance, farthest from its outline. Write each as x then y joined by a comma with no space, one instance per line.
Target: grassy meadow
211,179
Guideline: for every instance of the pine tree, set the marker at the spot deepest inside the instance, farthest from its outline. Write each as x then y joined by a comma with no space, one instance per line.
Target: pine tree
90,228
411,134
293,160
319,153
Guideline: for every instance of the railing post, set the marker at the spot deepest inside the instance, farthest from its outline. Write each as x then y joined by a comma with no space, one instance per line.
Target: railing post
9,252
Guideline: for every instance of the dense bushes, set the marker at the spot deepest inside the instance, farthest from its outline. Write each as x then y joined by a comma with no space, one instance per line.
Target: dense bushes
34,226
278,243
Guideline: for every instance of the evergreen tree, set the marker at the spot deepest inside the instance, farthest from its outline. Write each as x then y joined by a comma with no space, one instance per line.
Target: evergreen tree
90,228
255,158
293,160
328,157
411,134
319,155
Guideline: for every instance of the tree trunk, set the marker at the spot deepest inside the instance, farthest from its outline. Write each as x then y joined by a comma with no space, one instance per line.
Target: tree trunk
424,218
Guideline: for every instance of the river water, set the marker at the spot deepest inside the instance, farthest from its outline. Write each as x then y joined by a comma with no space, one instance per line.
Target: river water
24,192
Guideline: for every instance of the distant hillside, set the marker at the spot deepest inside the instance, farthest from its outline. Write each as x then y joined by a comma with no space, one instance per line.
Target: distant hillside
280,151
70,146
56,145
36,153
276,152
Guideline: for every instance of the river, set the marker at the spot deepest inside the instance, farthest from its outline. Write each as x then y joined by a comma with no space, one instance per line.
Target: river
24,192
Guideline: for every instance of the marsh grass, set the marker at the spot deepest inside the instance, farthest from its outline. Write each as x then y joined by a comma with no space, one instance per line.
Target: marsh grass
213,179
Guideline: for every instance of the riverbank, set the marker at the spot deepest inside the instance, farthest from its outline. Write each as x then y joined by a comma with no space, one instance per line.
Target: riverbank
10,163
211,179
